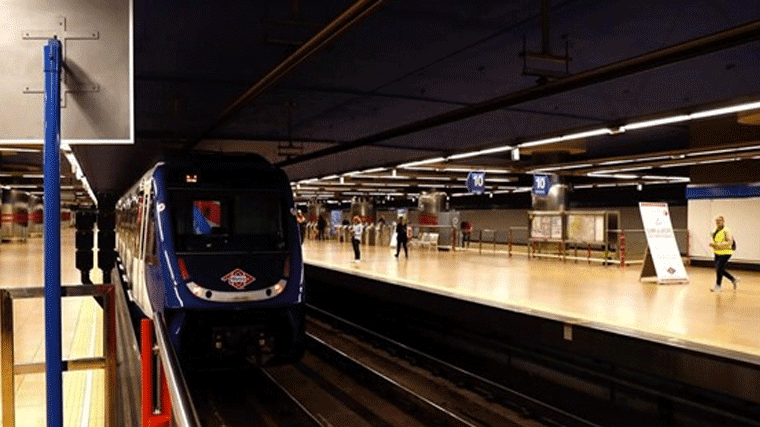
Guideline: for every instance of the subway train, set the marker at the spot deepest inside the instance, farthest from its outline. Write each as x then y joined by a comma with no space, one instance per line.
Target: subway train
211,242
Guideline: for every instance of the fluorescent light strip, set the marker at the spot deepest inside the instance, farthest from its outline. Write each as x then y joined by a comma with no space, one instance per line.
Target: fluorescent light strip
725,150
657,122
421,162
464,170
674,165
616,162
384,176
669,178
652,159
614,175
584,186
640,168
329,177
435,178
726,110
20,150
707,162
373,170
495,150
464,155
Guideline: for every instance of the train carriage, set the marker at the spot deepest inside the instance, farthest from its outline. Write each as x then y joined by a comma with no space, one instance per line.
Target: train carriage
212,242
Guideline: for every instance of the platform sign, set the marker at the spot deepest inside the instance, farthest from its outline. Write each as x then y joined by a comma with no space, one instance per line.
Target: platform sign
97,77
476,182
663,262
541,184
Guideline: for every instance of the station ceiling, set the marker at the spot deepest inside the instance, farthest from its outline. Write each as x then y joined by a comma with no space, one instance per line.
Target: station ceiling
329,88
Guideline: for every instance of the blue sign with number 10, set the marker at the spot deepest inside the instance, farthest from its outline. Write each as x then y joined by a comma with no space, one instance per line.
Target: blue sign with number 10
541,184
476,182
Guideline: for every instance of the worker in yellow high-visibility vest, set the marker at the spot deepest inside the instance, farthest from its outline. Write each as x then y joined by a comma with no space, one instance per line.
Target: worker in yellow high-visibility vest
722,244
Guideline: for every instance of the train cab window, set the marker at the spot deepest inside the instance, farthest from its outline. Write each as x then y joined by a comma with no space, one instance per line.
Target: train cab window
244,220
207,216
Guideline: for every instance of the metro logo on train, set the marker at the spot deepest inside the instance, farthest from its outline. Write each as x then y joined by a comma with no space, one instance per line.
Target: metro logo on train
238,279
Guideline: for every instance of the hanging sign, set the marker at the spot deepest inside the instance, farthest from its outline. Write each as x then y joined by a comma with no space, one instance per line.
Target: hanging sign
541,184
663,261
476,182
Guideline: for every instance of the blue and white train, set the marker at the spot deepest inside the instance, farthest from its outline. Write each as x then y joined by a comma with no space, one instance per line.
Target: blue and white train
211,241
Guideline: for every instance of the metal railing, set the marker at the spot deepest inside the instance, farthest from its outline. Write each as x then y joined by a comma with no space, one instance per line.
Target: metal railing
183,409
105,294
628,247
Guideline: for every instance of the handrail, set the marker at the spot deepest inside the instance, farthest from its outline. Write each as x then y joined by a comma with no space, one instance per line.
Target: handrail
183,409
105,294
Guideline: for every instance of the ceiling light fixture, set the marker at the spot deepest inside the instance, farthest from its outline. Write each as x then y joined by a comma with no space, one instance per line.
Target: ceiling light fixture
373,170
658,122
19,150
421,162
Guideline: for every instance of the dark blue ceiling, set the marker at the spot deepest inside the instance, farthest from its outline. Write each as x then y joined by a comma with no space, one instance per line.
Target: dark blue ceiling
410,61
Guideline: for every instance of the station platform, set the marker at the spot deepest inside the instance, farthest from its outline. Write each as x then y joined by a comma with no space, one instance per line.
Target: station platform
21,266
605,298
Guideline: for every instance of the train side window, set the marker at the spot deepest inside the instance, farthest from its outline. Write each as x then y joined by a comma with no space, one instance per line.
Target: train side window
150,248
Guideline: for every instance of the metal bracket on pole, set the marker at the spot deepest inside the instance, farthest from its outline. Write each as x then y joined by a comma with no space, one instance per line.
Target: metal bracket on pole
53,356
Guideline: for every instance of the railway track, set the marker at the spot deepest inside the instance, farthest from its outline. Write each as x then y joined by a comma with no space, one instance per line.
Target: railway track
344,380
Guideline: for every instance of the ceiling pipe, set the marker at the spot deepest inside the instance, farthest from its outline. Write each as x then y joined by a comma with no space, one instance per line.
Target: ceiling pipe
693,48
545,41
325,36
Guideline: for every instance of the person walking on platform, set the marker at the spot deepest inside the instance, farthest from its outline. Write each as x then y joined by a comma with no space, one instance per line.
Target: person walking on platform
356,231
466,233
723,247
401,237
301,225
321,226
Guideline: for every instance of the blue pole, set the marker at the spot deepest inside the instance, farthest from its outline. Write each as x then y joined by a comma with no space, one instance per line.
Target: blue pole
53,356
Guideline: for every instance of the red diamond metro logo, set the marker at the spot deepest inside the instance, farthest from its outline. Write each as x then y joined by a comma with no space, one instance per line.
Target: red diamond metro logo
238,278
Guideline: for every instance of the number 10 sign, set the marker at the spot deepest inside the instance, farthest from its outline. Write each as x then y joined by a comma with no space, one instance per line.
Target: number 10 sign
541,184
476,182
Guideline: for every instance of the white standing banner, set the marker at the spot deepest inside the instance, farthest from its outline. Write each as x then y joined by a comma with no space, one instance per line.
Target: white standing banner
662,252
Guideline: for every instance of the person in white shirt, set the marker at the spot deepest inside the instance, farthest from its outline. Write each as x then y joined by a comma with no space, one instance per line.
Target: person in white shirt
356,231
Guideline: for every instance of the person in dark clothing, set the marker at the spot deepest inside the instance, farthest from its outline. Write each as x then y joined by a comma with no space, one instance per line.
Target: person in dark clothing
321,226
401,237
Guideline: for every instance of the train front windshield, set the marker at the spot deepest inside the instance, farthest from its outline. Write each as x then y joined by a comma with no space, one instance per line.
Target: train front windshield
228,221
